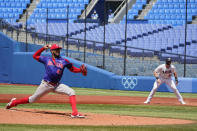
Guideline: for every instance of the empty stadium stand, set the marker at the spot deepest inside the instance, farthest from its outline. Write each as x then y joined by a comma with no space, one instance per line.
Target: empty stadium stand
11,10
172,12
57,10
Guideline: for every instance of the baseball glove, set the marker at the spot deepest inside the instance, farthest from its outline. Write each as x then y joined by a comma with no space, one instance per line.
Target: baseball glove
83,69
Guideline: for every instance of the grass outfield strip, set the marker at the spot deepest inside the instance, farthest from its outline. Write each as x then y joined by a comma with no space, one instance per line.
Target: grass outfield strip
9,127
179,112
13,89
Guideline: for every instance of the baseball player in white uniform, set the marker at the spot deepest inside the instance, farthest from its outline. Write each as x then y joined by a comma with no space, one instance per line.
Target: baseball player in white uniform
163,74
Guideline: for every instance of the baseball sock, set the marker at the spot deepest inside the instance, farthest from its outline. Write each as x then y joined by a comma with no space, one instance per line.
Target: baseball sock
20,101
73,104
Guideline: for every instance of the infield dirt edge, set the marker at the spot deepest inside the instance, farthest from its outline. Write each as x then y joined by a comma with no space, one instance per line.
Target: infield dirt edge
50,117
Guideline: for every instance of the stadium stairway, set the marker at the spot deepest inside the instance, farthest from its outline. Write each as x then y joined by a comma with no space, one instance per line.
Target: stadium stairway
57,10
194,20
12,11
146,9
135,10
30,10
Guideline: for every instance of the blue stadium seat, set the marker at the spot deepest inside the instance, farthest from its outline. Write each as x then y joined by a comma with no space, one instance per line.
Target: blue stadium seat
155,6
175,1
8,4
191,1
60,5
69,1
182,6
23,5
178,11
178,17
56,10
5,15
43,5
165,6
74,1
176,6
167,11
80,1
5,10
86,1
193,6
51,10
161,11
171,6
156,17
55,5
181,1
18,5
2,4
162,17
194,11
50,5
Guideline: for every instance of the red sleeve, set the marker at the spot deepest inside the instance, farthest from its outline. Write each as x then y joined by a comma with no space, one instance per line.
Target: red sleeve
38,53
75,69
72,68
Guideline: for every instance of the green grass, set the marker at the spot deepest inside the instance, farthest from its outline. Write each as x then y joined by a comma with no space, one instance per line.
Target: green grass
86,91
9,127
177,112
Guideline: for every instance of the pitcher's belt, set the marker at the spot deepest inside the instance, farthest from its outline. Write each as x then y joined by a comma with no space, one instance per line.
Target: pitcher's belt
51,83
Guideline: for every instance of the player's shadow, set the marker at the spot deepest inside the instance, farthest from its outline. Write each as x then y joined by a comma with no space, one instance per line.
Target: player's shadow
43,112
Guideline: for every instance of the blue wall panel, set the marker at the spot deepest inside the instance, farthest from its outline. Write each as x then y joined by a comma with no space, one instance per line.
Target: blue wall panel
21,47
6,47
29,71
140,83
96,78
17,66
25,69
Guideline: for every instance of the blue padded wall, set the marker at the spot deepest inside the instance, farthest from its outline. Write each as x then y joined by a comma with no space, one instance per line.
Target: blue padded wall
20,67
26,70
6,46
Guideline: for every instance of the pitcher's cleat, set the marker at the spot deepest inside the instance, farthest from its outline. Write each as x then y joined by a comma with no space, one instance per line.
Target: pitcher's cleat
182,102
77,116
10,104
146,102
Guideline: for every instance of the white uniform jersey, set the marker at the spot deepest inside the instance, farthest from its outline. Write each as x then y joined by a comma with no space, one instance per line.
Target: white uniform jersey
164,72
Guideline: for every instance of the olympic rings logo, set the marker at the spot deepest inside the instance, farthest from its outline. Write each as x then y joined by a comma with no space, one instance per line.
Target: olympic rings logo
129,82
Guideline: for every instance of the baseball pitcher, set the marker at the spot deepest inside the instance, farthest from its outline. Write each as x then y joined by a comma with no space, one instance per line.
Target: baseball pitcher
54,67
163,74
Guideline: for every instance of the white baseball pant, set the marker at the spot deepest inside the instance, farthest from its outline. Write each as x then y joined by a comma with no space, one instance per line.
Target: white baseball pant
45,88
170,83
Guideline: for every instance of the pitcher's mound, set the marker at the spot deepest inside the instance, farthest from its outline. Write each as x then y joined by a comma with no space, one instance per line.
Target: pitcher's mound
34,116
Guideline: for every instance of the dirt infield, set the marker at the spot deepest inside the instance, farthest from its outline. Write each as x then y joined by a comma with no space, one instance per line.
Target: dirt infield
61,118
